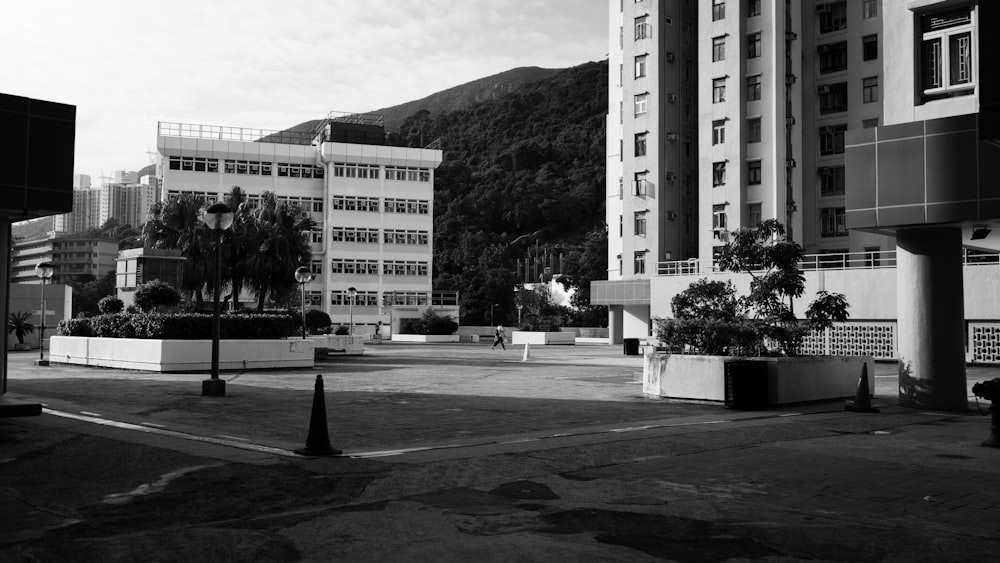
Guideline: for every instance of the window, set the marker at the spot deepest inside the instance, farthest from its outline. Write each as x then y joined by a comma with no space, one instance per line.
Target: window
753,88
946,66
753,172
869,9
639,262
643,29
832,98
831,181
640,144
832,57
640,223
832,16
640,66
719,132
869,47
833,222
753,45
718,90
869,89
754,215
831,139
753,8
640,103
718,173
718,10
639,184
753,130
719,217
718,48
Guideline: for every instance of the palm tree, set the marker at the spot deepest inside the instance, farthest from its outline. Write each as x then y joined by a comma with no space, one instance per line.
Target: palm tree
239,240
18,324
176,224
279,235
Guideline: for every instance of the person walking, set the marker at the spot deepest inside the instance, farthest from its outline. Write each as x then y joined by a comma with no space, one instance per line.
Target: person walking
498,338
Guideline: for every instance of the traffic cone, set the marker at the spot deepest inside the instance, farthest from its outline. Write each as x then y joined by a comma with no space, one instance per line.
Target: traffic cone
527,352
318,441
862,399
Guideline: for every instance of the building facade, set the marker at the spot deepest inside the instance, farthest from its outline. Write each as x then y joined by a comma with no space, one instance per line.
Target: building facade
373,204
127,200
73,258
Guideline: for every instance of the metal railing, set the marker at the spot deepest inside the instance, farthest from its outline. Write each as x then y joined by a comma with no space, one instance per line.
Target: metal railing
224,133
829,261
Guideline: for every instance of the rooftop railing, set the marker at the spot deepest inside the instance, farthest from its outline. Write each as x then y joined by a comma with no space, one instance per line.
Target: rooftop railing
243,134
828,261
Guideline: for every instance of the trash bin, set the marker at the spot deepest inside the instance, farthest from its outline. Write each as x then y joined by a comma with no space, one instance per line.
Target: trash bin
631,346
746,384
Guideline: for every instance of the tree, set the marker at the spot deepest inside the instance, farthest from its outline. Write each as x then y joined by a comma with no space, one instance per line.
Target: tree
240,242
17,323
281,246
155,295
109,305
176,224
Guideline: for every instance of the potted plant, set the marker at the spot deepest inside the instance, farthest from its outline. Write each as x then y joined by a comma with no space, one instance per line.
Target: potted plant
18,324
429,327
712,325
541,319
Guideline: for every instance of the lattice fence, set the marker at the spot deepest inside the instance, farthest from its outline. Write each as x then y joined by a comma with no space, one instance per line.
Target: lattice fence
855,338
984,340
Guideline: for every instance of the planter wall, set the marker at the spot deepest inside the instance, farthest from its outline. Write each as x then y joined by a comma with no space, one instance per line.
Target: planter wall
542,338
425,337
345,345
180,355
789,380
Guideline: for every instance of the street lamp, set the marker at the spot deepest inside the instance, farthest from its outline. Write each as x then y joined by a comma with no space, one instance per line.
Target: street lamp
218,217
43,271
303,275
351,293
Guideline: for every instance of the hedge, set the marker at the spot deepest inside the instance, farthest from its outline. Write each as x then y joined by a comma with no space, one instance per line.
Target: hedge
180,326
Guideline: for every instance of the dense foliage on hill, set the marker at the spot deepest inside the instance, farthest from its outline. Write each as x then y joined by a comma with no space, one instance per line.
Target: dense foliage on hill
521,173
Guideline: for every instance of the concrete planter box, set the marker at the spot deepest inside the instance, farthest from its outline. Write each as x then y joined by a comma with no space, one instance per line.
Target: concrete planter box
542,338
180,355
425,338
345,345
789,380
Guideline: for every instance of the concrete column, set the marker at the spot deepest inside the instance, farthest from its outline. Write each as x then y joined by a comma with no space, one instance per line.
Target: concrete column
615,323
5,253
931,327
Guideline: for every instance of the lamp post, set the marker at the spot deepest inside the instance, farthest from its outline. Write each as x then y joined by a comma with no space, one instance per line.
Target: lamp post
44,271
351,294
218,217
303,275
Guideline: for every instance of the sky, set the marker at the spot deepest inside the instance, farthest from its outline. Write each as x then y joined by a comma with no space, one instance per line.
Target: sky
126,65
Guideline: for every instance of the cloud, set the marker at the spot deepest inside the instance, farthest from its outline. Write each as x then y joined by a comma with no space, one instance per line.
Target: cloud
127,65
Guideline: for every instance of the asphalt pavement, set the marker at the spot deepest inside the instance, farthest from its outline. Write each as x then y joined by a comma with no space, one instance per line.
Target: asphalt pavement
458,452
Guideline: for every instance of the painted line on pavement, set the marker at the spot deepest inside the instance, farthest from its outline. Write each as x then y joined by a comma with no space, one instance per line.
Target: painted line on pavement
172,433
87,413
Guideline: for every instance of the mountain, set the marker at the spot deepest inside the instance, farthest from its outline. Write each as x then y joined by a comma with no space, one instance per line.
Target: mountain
32,229
455,98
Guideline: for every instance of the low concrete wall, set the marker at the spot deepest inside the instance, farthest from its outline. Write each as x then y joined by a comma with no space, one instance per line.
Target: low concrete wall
789,380
542,338
345,345
425,338
180,355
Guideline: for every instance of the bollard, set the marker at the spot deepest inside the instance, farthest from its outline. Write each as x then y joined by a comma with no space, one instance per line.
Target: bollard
318,441
527,352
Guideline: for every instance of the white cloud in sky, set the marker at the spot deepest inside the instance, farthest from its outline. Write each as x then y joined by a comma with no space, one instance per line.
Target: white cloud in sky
257,63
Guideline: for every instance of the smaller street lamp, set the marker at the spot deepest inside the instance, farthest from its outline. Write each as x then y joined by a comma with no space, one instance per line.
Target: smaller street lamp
44,271
303,275
218,217
351,294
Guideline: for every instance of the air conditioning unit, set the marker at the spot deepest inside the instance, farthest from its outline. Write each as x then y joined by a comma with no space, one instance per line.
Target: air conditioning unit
671,177
823,90
789,79
791,36
672,98
671,215
790,120
671,57
671,136
790,163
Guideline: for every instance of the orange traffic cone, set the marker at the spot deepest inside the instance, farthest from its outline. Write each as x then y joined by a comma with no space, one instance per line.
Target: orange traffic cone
318,441
862,399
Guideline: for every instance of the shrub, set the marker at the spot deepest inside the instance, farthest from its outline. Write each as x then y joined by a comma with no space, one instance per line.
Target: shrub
75,327
342,331
156,294
317,322
429,323
109,305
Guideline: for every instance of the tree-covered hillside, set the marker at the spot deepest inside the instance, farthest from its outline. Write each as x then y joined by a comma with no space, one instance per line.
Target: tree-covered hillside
522,174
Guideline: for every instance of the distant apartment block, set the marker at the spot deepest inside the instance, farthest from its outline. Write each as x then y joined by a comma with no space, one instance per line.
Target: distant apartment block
73,257
127,199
